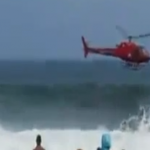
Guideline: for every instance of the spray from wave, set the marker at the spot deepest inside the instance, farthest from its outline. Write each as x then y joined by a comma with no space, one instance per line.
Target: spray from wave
128,136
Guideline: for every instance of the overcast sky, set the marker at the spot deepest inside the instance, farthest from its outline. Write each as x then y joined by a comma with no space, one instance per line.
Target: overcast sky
52,29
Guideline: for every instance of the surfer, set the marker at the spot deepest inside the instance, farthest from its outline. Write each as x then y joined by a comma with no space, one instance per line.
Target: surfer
105,142
38,143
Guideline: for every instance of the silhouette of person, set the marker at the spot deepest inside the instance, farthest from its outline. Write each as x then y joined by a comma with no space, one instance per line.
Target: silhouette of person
38,143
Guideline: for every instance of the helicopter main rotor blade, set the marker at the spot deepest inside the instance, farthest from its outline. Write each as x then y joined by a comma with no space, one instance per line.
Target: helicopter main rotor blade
141,36
122,31
130,37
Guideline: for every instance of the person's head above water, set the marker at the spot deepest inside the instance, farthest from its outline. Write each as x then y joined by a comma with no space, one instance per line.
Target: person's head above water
106,142
38,140
98,148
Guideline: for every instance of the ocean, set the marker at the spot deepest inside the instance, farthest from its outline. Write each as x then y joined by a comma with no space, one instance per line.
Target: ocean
71,103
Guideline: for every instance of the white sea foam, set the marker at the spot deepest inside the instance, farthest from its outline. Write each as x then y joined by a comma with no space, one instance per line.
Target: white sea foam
73,139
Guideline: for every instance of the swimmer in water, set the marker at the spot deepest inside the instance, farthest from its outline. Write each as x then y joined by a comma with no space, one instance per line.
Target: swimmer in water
38,143
105,142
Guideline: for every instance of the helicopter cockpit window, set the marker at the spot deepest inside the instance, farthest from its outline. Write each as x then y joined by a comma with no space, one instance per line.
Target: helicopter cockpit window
141,47
144,51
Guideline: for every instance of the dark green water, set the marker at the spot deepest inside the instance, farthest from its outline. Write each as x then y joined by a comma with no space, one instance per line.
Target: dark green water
70,94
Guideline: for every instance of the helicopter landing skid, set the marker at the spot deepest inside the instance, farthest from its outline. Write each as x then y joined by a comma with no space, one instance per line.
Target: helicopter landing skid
133,66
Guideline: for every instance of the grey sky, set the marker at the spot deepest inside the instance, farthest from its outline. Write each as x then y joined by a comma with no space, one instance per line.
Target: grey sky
45,29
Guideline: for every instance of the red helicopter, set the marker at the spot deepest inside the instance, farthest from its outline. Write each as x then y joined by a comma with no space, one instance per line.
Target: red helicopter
132,54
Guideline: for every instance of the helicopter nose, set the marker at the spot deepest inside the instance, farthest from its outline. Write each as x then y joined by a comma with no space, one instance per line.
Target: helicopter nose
147,56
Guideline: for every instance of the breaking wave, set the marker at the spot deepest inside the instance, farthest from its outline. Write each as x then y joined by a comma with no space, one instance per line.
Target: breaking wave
71,139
